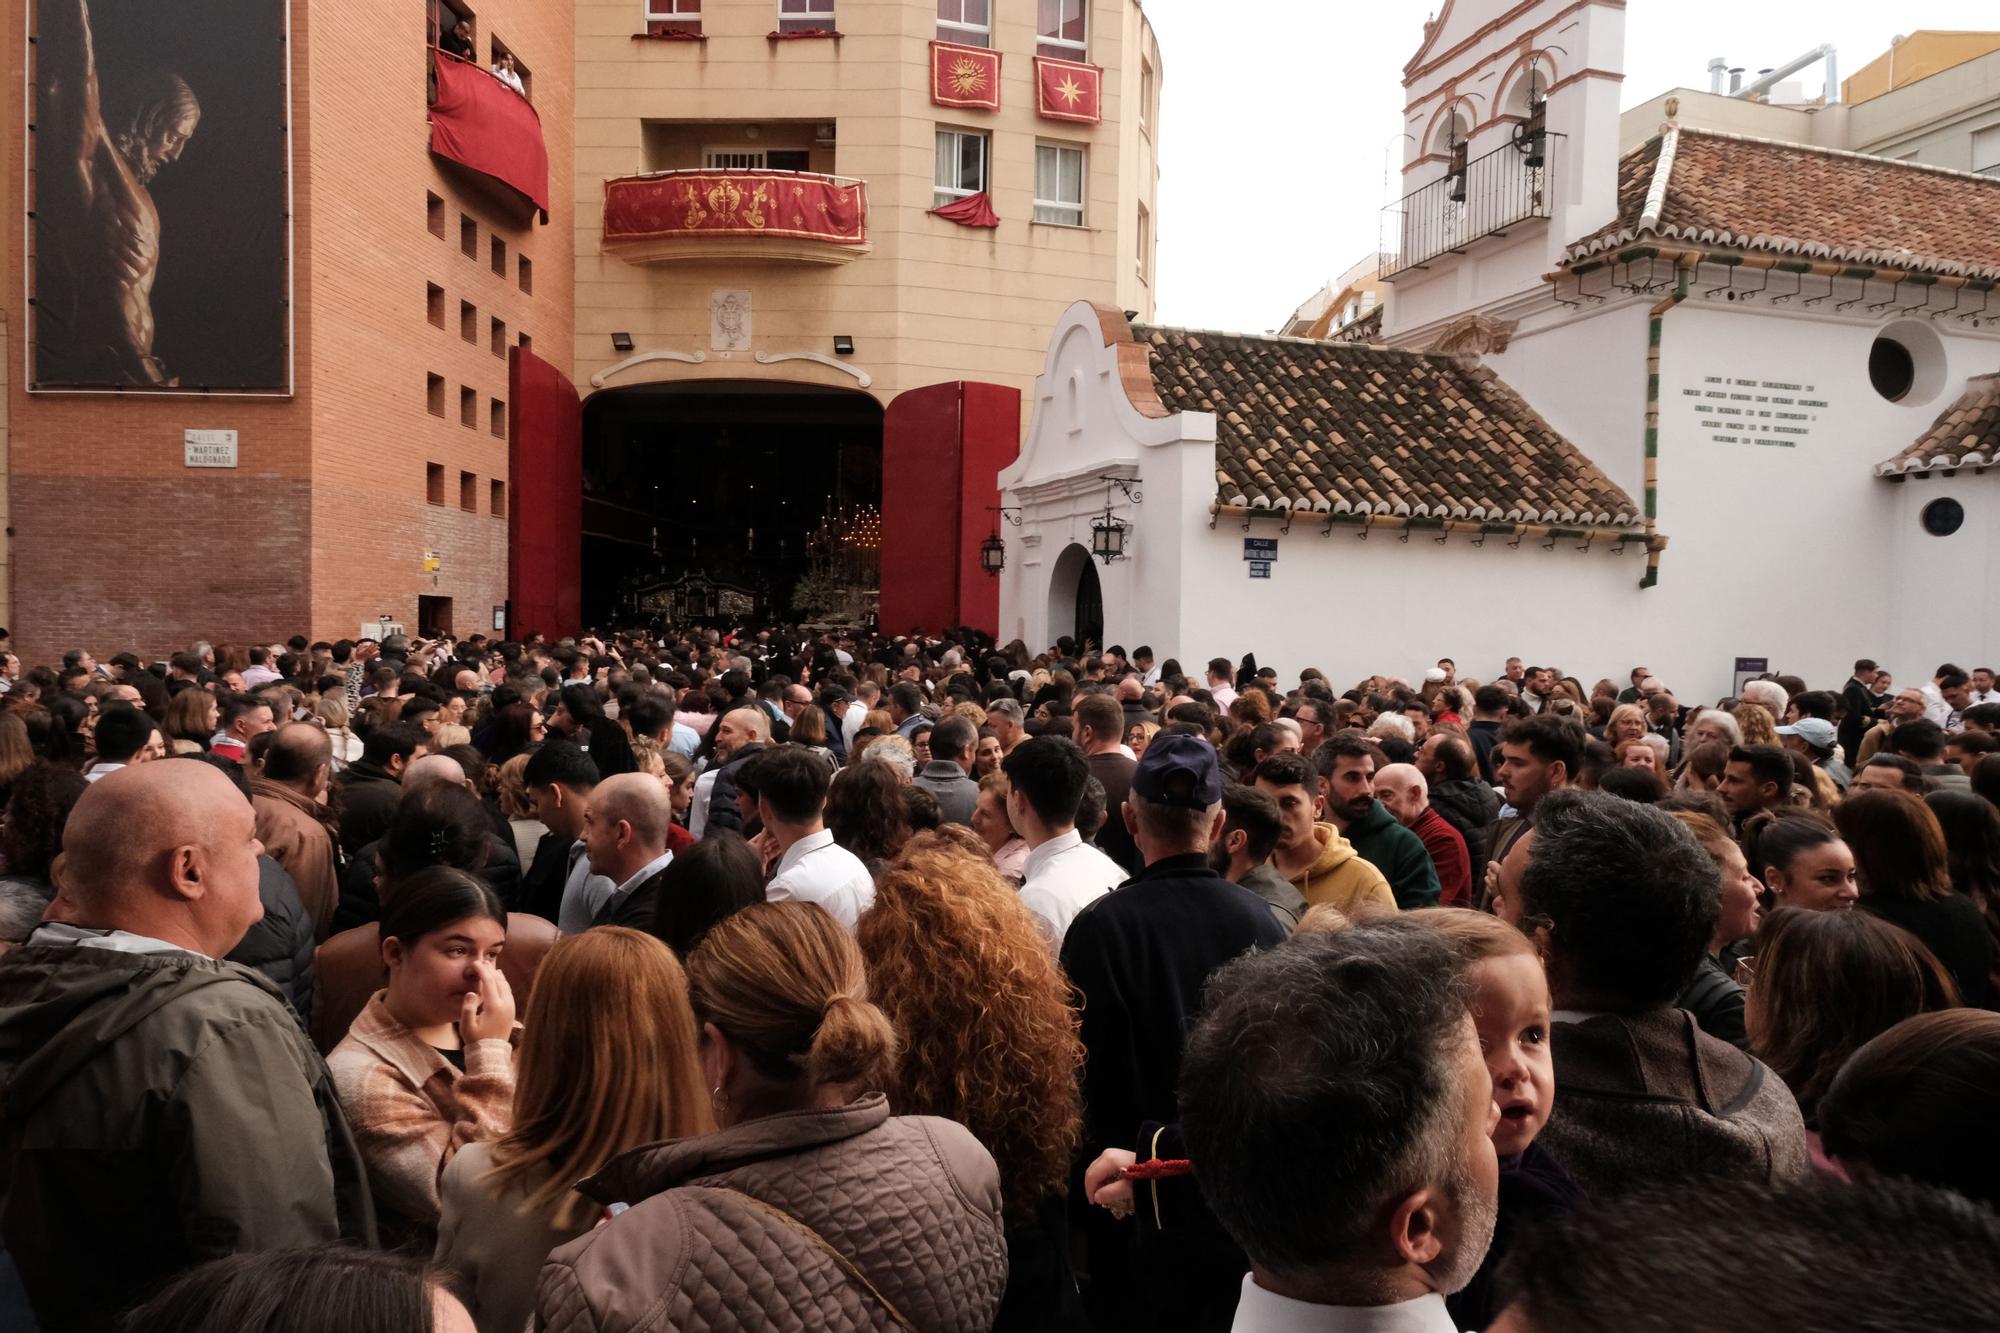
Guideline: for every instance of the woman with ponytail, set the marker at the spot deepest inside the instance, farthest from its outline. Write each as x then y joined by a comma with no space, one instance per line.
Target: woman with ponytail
812,1206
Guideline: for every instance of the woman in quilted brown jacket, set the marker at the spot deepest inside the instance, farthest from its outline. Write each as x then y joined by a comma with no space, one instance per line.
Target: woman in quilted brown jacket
812,1206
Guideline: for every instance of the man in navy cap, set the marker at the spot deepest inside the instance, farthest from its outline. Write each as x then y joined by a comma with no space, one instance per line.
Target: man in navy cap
1140,956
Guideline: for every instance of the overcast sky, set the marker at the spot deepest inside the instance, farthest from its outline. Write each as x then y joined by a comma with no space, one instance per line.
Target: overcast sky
1277,115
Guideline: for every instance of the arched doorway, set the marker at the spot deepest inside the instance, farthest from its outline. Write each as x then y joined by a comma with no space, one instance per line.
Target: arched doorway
1076,598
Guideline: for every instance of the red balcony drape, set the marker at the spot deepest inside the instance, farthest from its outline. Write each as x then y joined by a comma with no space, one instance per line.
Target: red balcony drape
736,203
479,122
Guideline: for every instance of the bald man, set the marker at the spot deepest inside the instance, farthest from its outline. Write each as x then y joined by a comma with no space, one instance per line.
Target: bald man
162,1107
293,821
741,735
1401,788
625,836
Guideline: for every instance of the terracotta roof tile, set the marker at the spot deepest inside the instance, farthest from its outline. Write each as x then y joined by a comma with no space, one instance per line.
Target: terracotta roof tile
1966,434
1365,429
1725,192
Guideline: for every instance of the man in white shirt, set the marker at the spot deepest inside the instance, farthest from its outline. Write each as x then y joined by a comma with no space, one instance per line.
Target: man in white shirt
1220,687
1149,670
791,785
625,837
867,697
1982,687
1063,874
1360,1179
1935,707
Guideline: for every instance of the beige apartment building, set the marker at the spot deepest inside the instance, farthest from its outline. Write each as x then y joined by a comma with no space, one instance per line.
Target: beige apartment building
778,336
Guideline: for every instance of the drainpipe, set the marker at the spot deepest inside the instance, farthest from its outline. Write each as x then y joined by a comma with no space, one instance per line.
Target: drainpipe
1683,272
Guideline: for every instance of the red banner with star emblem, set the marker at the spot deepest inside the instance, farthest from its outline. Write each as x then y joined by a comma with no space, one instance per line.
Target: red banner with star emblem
1066,90
736,203
965,76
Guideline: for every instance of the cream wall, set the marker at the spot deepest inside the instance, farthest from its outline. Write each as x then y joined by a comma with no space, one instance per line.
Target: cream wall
931,300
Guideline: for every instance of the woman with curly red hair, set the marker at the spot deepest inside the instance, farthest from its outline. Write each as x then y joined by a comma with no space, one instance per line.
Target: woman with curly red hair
989,1039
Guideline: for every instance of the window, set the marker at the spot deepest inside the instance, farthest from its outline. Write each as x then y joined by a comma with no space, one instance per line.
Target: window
805,15
1943,517
521,71
468,492
1145,244
434,303
498,337
967,22
497,499
500,256
434,214
673,17
526,268
961,165
1146,95
468,237
1059,184
496,418
434,393
527,343
1986,151
761,159
468,406
1059,29
468,321
434,483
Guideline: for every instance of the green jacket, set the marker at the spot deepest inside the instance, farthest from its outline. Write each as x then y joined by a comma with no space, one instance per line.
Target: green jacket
1399,854
158,1109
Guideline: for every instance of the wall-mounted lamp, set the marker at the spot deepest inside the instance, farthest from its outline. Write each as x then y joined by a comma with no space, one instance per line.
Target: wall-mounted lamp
621,342
993,551
843,345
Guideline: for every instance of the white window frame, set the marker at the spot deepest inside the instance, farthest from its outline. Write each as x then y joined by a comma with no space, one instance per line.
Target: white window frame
944,194
1063,206
672,11
1146,77
714,159
1985,132
808,14
964,33
1062,48
1145,243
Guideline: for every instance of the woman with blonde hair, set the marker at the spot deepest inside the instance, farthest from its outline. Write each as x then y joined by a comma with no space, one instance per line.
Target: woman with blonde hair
989,1040
1628,723
332,714
858,1218
607,1063
1007,848
1756,724
511,791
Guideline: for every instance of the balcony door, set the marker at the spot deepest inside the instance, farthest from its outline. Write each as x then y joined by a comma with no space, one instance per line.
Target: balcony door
759,159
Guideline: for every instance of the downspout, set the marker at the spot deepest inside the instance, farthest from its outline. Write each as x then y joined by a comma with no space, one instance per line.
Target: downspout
1683,272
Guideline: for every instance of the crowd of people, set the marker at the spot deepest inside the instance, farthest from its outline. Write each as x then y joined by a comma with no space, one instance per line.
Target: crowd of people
705,979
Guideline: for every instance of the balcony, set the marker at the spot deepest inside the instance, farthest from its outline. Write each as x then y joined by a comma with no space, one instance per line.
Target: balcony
754,216
481,123
1487,196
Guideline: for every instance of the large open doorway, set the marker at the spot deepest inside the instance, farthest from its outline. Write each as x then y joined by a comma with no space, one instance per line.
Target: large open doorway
1076,599
731,501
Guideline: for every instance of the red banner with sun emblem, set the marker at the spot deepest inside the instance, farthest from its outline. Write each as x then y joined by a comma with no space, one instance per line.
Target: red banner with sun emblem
1066,90
965,76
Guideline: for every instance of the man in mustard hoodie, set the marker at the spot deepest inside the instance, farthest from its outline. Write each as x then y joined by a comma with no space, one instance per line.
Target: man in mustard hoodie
1314,856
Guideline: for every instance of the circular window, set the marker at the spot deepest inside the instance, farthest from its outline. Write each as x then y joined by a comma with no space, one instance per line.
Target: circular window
1891,369
1906,363
1943,517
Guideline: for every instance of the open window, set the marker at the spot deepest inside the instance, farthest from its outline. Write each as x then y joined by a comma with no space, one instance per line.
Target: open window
961,165
672,18
966,22
511,70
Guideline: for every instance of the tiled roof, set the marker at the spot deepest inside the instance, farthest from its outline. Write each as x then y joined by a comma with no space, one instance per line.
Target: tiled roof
1347,428
1966,434
1725,192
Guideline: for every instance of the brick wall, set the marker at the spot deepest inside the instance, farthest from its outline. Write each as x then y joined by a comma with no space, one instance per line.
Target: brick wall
324,523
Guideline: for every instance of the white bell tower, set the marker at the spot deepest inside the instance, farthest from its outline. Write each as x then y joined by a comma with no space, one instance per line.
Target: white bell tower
1510,151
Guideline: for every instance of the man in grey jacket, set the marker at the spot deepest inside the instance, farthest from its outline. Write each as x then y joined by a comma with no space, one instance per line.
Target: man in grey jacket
948,776
158,1105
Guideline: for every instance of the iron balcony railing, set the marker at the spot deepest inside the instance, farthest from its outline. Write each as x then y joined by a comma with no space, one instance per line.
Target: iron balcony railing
1483,197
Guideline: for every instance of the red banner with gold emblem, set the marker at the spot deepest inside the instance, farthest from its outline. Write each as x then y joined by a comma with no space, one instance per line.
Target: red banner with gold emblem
1066,90
736,203
965,76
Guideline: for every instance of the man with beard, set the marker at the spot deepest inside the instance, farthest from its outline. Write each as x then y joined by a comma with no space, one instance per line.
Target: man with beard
1335,1100
98,228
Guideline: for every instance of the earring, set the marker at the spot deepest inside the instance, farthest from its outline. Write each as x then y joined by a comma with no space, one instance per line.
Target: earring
718,1100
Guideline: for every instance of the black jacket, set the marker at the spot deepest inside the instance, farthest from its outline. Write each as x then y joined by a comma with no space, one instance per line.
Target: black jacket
360,904
639,907
1470,807
1952,928
722,811
1485,737
541,890
1716,1002
368,800
281,944
1859,701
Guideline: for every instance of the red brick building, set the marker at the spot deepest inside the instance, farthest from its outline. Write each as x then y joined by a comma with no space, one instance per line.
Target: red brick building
377,482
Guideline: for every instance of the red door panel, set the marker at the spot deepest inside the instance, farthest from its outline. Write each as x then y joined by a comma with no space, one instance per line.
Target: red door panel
545,510
942,450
